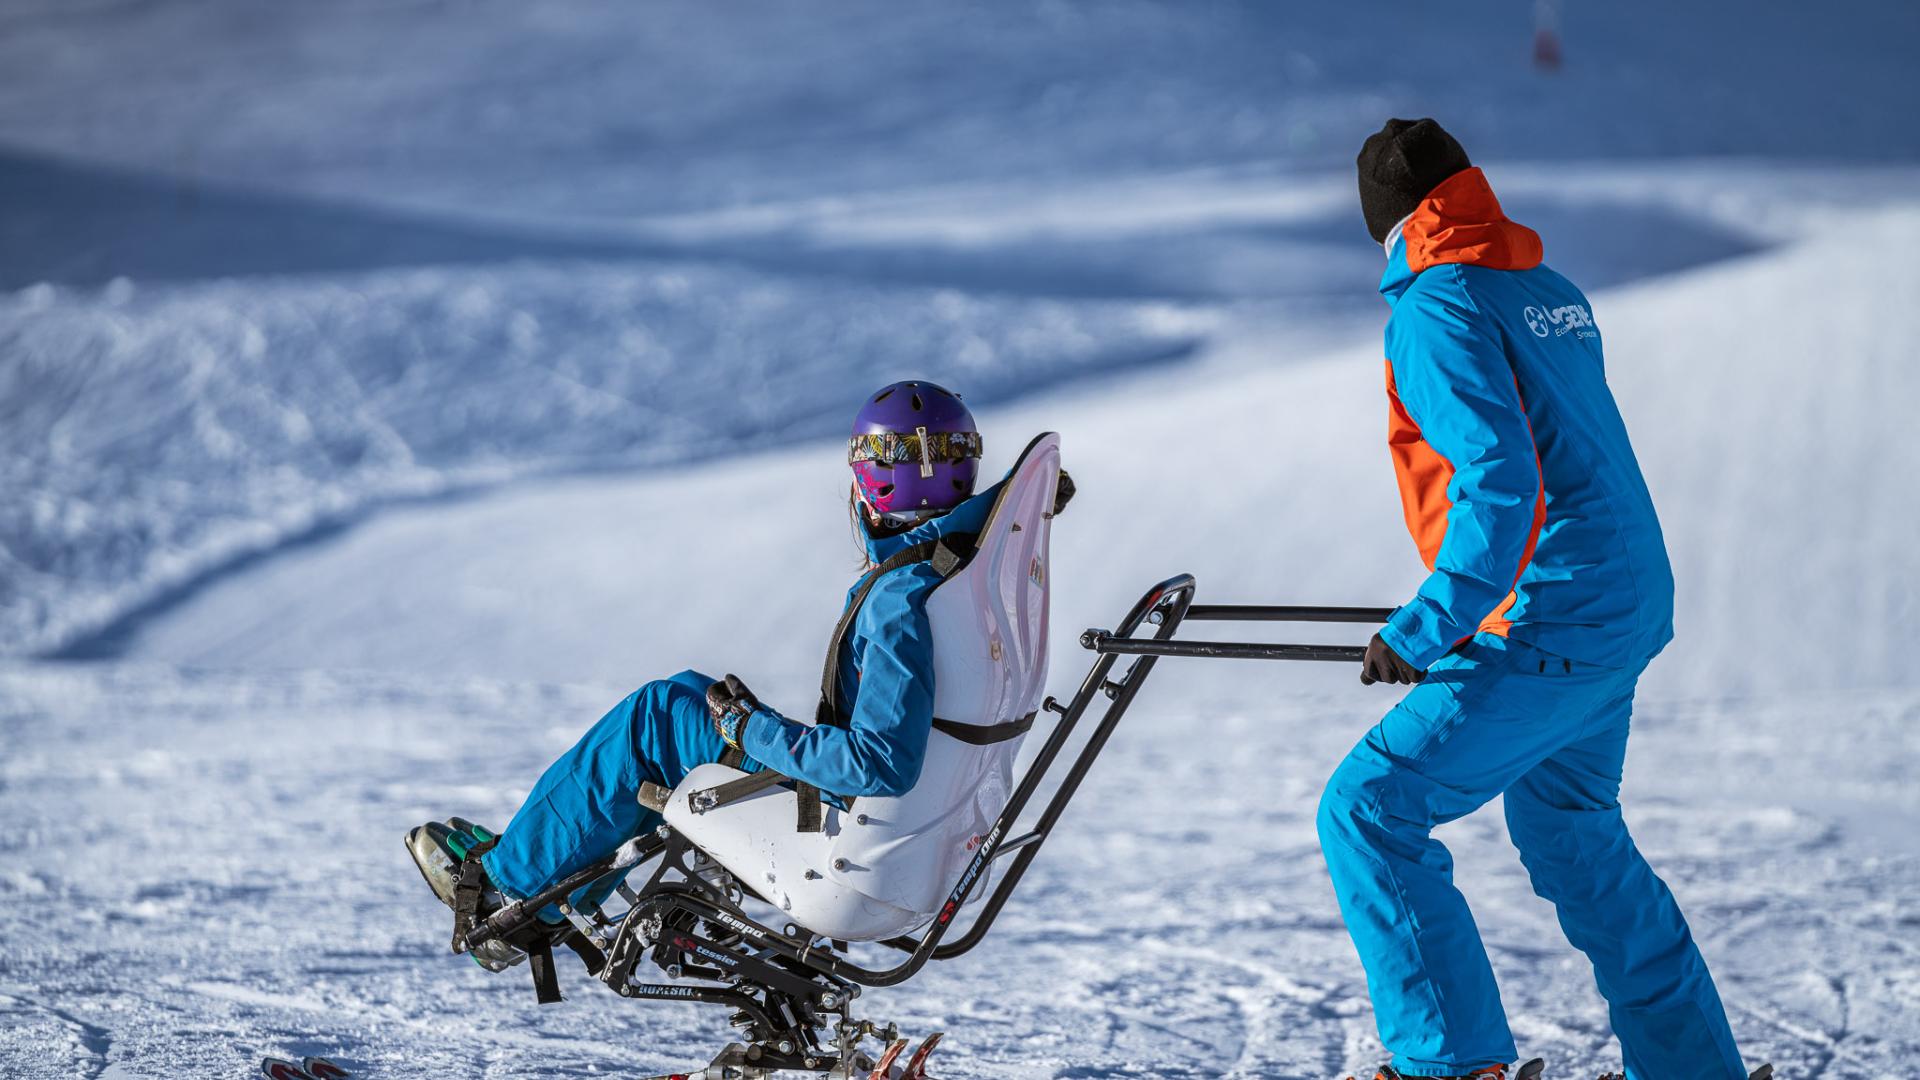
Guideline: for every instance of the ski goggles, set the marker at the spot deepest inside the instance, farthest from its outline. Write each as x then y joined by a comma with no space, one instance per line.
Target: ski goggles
924,448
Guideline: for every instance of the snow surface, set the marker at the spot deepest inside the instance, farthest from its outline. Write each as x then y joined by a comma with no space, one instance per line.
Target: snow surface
385,389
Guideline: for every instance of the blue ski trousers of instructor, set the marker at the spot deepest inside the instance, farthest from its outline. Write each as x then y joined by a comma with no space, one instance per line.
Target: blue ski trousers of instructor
1549,592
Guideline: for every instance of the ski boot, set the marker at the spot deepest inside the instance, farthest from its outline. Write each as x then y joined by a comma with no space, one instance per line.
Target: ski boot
1531,1070
438,851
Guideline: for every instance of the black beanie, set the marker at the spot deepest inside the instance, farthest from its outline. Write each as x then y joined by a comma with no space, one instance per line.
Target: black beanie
1399,165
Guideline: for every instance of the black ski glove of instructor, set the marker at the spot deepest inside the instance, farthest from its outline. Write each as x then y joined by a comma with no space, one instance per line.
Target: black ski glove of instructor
1382,664
730,703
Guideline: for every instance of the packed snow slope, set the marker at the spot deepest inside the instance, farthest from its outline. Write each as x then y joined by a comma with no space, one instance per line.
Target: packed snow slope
387,388
200,869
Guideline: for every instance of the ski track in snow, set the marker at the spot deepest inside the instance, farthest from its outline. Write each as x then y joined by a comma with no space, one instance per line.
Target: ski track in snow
204,899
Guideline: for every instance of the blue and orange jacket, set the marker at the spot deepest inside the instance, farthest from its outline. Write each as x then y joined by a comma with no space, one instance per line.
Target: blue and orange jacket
1519,485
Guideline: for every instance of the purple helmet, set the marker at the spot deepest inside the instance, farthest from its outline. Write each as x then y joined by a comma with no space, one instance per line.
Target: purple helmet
914,451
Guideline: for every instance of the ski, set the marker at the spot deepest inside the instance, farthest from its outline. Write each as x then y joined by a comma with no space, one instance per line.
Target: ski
311,1068
917,1064
883,1069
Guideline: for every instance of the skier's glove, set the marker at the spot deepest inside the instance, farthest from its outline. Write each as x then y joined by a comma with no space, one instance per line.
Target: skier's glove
730,704
1384,665
1063,494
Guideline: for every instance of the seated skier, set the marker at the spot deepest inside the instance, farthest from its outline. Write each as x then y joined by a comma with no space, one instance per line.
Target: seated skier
914,455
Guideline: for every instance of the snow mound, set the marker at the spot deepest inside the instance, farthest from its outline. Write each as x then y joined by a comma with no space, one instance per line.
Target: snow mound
158,435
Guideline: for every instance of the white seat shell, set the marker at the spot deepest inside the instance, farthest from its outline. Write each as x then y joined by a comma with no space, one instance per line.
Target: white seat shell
888,865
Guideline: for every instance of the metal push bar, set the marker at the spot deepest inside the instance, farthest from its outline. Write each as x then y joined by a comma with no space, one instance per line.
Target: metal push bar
1107,643
1165,607
1282,613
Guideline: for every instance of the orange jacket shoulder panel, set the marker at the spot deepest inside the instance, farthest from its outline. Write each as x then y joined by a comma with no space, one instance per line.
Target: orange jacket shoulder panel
1461,222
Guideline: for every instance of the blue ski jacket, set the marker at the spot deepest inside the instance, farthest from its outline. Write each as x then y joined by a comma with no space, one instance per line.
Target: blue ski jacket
1516,475
885,671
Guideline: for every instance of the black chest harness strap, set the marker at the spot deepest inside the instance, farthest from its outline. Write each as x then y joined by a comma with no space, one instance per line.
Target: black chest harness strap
985,734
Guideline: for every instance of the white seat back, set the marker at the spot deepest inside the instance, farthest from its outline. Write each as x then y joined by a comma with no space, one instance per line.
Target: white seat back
989,667
887,866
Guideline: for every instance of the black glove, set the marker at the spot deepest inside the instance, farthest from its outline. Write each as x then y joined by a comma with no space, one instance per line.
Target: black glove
730,703
1063,494
1384,665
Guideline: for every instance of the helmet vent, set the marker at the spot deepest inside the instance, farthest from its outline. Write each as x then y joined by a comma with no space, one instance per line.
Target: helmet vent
884,490
883,395
958,486
918,404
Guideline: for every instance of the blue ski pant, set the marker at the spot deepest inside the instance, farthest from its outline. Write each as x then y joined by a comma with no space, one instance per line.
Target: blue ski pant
1501,716
587,803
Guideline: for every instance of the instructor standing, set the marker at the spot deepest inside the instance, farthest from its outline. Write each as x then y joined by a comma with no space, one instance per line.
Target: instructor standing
1549,593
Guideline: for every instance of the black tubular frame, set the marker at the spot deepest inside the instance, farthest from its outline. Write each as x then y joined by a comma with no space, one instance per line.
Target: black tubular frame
1108,643
1164,607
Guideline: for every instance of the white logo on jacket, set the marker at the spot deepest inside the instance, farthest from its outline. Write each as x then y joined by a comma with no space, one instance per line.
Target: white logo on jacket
1560,321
